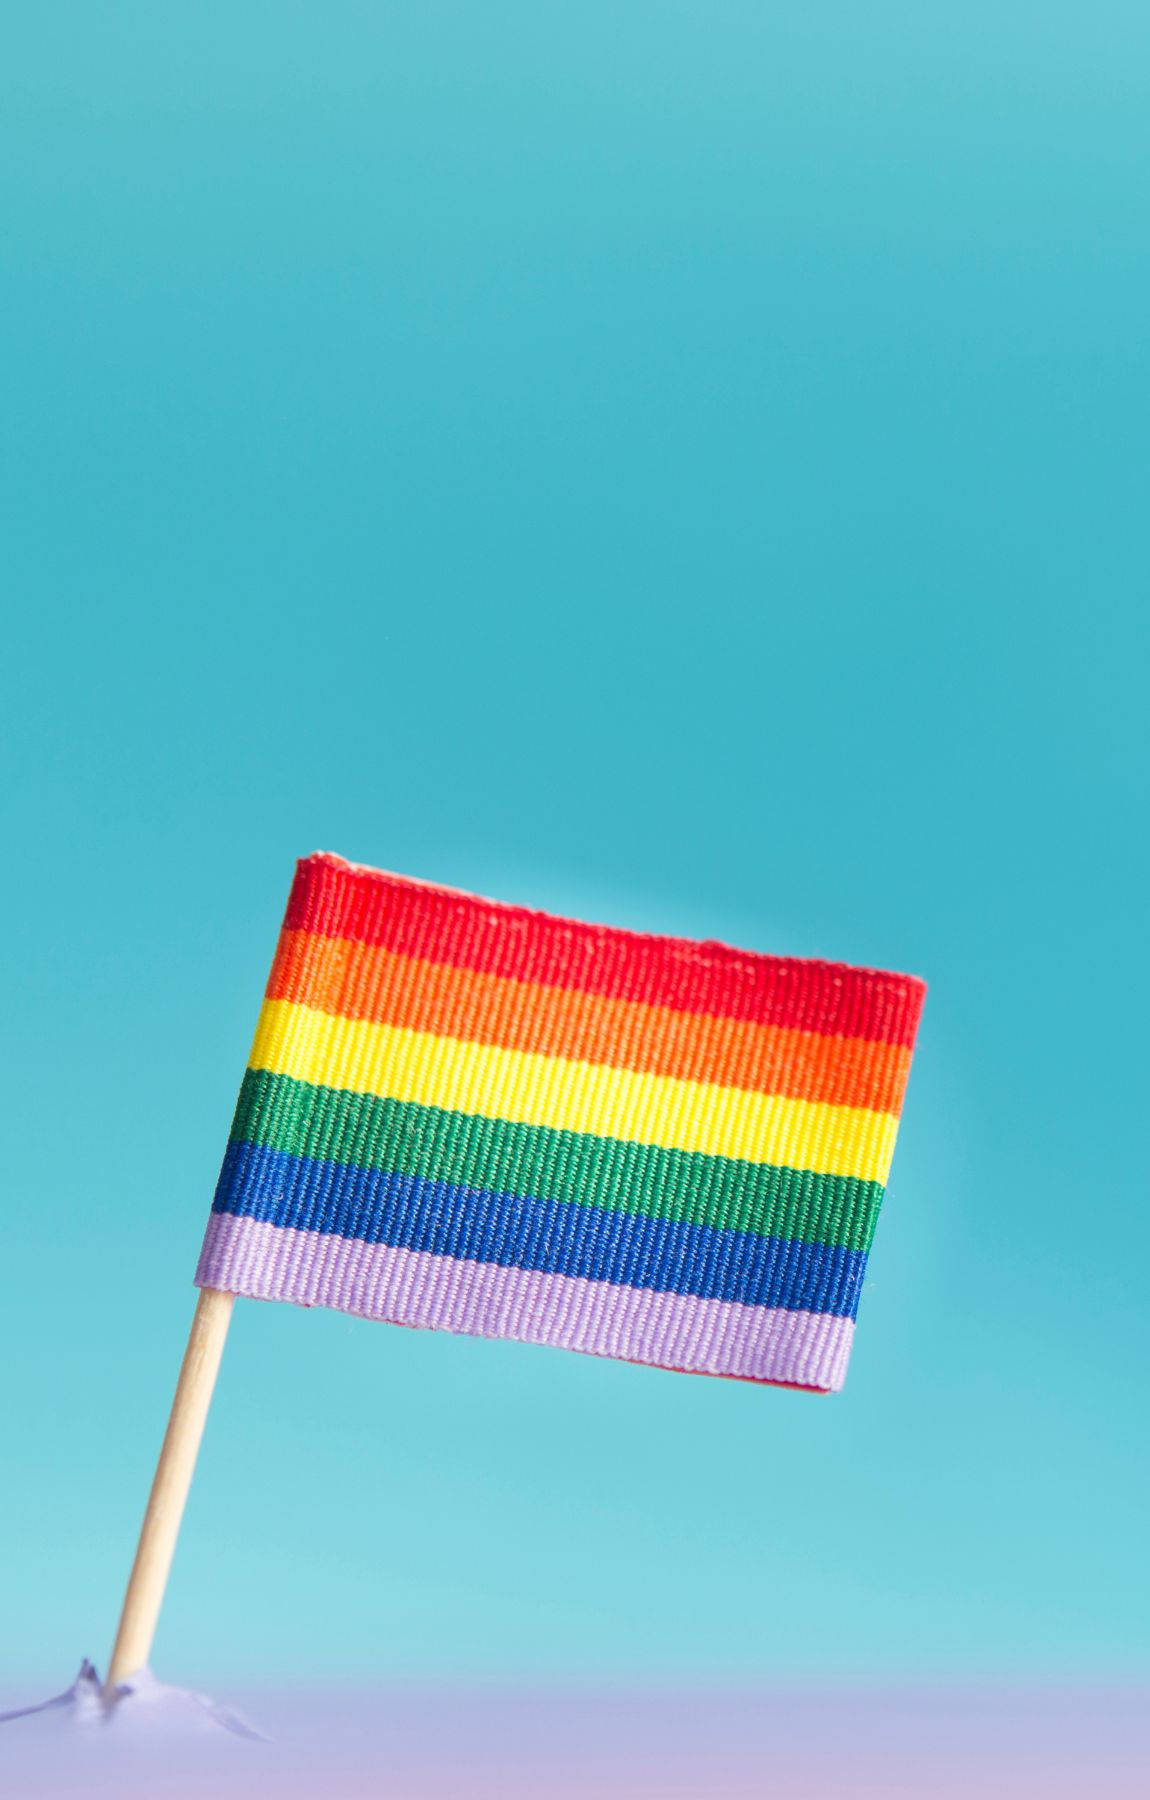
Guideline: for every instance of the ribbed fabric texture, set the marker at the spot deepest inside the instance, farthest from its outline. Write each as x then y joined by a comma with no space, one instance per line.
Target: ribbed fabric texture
464,1115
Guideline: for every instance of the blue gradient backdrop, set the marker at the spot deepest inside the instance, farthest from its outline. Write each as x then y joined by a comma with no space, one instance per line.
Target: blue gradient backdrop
682,464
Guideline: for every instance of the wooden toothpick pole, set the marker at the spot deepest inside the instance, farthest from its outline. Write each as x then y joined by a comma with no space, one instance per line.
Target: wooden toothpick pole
173,1478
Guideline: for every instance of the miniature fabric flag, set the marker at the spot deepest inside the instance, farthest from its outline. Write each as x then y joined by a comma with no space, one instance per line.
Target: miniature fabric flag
465,1115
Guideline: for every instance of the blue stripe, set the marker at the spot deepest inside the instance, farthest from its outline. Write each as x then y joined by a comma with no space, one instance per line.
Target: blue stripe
553,1236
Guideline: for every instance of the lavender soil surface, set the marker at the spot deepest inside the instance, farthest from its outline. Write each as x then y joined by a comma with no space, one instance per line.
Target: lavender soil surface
421,1745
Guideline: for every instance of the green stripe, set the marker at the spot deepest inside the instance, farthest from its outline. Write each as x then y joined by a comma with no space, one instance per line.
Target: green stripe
331,1125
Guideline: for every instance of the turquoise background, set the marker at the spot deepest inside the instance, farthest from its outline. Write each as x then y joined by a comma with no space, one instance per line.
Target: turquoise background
678,464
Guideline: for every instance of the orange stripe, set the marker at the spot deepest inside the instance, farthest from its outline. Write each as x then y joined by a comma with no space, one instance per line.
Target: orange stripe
364,981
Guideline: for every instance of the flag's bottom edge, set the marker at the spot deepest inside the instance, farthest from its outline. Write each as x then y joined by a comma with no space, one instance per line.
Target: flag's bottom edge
414,1287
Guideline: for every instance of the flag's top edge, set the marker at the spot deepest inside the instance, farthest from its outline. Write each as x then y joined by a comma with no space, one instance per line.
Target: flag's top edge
709,948
334,896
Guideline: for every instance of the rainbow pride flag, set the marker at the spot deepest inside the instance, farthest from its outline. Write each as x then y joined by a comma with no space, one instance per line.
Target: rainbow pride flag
468,1116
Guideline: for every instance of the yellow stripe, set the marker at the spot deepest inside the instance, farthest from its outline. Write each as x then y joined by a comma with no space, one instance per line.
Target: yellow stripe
421,1067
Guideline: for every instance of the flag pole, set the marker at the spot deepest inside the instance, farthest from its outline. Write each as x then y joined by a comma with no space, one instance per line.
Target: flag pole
173,1478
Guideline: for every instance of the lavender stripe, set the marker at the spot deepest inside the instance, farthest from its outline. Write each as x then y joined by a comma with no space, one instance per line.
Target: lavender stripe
414,1287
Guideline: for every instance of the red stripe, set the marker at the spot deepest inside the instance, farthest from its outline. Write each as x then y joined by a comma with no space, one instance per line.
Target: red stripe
338,899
